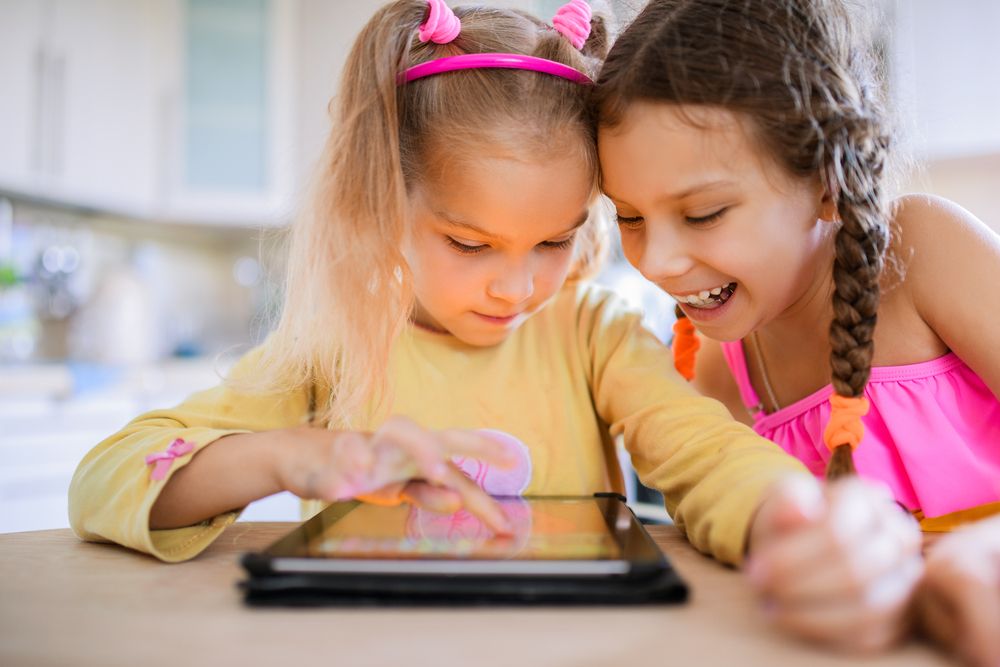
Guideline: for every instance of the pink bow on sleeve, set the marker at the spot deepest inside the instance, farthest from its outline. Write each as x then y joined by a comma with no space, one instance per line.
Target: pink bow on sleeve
164,460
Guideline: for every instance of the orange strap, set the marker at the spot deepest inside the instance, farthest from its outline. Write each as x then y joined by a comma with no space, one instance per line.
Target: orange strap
845,427
686,344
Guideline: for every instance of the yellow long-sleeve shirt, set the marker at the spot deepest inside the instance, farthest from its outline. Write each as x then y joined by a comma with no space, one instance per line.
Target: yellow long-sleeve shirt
570,379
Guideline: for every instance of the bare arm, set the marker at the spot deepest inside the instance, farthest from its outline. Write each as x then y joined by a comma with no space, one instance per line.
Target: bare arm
952,277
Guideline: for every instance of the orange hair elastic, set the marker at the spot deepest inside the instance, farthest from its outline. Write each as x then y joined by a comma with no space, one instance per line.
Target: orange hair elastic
685,347
845,426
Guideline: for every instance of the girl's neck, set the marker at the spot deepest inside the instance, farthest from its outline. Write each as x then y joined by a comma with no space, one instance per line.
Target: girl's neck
789,355
808,318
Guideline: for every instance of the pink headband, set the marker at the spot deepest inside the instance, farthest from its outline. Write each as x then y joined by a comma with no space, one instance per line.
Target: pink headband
442,26
494,61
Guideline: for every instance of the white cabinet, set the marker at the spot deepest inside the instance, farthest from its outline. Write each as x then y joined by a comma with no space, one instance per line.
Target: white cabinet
180,110
78,123
22,67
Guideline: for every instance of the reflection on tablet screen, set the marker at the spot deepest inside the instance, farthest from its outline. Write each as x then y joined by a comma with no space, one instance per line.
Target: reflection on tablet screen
544,529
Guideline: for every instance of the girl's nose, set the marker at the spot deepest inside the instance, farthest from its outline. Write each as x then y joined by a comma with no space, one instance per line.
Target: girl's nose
661,254
514,284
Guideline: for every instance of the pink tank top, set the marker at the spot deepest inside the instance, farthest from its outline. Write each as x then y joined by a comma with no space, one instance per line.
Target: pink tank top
932,433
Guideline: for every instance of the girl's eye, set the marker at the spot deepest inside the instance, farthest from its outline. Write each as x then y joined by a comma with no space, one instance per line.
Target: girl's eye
559,245
465,248
630,223
705,219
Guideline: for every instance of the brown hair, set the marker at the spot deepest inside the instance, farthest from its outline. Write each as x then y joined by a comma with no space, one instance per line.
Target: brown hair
797,70
348,291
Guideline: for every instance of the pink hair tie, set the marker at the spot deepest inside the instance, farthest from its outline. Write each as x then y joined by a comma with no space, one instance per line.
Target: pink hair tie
441,26
164,460
573,22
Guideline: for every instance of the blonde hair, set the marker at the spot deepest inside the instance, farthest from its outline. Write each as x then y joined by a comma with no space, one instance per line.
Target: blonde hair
348,291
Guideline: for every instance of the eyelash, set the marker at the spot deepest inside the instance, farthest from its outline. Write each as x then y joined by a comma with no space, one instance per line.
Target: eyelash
705,219
636,222
465,249
630,223
475,249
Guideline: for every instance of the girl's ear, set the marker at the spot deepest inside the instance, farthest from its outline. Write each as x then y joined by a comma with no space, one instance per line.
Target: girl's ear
828,207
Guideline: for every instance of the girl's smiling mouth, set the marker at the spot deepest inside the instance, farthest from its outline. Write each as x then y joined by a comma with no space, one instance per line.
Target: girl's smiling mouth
707,298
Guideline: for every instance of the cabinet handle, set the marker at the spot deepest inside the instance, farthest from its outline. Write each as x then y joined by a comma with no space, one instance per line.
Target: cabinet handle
38,112
58,120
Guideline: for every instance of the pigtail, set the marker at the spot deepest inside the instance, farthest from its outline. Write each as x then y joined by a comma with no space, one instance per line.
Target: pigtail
599,40
858,159
347,295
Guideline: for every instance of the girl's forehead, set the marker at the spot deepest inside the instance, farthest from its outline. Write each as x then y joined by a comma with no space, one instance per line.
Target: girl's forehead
507,175
643,121
504,197
680,146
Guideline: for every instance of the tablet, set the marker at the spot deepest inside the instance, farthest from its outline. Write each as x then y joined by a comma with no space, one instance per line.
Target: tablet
562,549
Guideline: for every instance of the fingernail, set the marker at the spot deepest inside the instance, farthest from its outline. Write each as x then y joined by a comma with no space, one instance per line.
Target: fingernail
438,471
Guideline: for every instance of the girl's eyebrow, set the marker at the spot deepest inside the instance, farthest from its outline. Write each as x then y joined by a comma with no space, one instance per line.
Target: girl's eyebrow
701,187
455,222
693,190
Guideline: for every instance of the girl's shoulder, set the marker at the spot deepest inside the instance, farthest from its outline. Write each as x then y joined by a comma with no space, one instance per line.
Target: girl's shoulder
946,261
931,226
931,239
597,314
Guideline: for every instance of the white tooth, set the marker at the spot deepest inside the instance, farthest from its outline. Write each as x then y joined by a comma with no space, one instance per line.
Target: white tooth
704,294
717,291
692,299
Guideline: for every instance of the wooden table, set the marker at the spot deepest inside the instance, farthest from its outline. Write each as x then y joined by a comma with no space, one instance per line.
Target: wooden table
66,602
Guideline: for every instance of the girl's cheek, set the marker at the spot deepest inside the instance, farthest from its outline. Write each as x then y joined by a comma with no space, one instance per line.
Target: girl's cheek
632,247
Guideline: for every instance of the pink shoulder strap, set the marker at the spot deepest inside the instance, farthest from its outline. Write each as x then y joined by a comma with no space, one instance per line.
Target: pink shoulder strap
737,361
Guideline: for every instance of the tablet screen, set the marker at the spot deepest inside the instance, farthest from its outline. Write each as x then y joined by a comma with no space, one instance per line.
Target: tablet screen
544,529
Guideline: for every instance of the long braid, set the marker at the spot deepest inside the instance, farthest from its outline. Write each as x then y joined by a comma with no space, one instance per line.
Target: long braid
858,159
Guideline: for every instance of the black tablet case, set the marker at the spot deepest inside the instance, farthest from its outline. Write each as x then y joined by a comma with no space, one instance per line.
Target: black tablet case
264,587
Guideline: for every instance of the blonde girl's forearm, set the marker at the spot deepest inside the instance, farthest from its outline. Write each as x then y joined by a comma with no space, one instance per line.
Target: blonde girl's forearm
227,475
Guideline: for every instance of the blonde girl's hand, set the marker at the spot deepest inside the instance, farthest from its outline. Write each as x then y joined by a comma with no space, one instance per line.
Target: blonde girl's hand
958,601
399,459
837,565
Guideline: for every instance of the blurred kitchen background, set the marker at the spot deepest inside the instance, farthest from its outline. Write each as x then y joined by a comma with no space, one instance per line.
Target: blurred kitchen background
152,151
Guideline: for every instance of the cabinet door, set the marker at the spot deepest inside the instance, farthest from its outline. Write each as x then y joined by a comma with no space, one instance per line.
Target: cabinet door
22,67
232,130
105,94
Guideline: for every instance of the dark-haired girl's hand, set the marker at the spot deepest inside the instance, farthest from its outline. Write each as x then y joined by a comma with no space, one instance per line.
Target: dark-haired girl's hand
836,564
958,602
